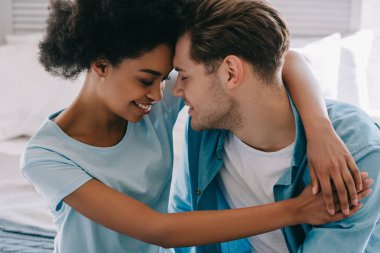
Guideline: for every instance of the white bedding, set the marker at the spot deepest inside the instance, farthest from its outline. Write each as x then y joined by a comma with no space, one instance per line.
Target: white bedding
13,146
19,202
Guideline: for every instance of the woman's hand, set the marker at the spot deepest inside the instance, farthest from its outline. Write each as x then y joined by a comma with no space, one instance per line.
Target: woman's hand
331,162
328,157
312,207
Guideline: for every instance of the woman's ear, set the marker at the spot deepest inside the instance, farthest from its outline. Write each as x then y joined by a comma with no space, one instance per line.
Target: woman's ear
233,67
100,67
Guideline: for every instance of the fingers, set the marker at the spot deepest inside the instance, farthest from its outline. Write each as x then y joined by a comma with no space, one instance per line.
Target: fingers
366,182
361,195
350,184
355,172
339,216
364,175
342,193
364,193
345,187
327,193
314,179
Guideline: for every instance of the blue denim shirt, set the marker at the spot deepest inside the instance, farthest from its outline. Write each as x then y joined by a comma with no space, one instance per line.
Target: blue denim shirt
195,186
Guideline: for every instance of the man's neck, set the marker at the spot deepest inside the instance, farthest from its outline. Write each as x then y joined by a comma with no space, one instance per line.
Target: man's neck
268,120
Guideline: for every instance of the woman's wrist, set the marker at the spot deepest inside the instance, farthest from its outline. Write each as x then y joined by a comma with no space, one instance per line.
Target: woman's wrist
293,212
317,125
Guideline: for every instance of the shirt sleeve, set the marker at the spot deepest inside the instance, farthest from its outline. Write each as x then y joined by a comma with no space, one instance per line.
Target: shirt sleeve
180,192
53,175
358,233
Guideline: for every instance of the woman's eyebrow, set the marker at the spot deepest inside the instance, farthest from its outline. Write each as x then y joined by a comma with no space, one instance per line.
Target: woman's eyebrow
150,71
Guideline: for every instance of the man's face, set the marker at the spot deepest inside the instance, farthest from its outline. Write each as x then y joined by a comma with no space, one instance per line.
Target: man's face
205,94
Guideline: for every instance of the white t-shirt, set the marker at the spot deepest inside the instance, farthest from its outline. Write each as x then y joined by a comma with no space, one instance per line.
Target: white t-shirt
247,179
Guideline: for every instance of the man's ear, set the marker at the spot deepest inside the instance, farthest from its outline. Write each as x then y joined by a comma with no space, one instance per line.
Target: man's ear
234,71
100,67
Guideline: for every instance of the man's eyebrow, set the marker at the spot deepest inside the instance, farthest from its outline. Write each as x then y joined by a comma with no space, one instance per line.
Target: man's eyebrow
150,71
178,69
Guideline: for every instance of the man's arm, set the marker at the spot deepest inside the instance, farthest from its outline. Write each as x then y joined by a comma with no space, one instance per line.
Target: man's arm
359,232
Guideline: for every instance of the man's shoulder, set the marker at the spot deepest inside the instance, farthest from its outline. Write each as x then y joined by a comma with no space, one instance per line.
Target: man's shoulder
353,125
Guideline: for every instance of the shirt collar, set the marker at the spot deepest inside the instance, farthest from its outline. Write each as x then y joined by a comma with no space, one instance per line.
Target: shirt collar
219,149
299,153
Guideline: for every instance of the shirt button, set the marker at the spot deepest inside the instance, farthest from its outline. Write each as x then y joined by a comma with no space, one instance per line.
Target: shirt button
198,191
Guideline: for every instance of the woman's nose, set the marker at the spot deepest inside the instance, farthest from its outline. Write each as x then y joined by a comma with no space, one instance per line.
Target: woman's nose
156,91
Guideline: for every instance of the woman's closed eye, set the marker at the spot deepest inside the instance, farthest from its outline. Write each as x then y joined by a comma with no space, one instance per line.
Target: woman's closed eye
146,82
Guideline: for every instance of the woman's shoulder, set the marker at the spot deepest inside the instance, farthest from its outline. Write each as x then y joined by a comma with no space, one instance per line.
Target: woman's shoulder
48,140
48,133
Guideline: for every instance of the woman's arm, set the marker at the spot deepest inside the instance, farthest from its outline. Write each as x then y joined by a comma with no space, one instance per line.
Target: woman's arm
128,216
327,154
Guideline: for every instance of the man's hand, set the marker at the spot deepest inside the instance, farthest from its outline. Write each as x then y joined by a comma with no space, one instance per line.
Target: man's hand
331,162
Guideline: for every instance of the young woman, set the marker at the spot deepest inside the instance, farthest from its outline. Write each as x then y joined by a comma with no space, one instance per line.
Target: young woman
104,164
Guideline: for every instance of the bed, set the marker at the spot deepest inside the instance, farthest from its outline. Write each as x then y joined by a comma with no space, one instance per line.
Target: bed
335,47
25,223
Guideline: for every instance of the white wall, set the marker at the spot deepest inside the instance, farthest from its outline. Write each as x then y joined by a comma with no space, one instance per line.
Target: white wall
371,20
318,18
22,16
5,19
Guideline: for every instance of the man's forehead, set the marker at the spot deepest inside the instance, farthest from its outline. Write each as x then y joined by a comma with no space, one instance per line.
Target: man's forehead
181,59
184,40
177,63
183,46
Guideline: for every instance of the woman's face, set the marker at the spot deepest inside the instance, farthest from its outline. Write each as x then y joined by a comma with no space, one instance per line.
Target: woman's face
130,89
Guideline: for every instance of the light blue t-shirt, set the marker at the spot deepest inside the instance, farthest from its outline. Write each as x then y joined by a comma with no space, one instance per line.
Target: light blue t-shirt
140,166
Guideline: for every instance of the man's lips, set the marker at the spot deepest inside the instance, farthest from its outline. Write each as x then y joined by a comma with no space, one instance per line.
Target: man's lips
191,108
188,104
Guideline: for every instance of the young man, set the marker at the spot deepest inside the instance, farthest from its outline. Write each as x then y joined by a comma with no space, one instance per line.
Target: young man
229,62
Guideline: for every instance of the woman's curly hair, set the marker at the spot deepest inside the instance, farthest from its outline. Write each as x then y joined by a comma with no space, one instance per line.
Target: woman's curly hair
81,31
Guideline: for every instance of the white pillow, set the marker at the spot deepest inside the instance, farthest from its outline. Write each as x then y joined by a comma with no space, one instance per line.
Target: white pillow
28,94
323,57
355,54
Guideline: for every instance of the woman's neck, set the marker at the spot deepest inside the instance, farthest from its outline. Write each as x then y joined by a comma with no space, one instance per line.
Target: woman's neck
89,121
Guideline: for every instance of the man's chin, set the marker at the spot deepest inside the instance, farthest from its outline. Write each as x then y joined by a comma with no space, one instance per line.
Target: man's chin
195,126
199,127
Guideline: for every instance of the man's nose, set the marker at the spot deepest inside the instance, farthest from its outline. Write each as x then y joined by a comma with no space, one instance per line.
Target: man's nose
177,89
